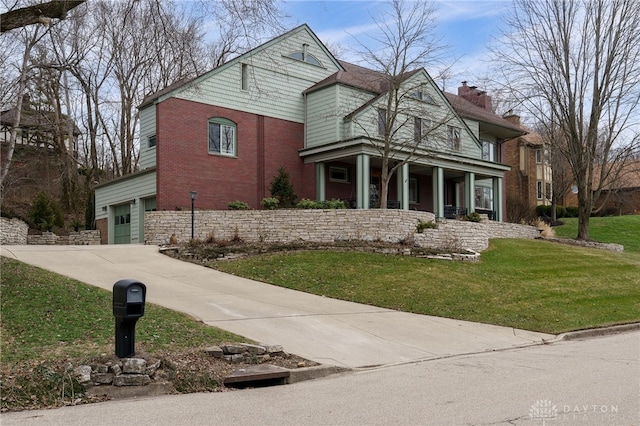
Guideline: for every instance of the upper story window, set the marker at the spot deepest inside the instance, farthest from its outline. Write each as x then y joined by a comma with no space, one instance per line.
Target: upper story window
488,151
222,137
382,121
421,95
304,56
453,138
151,141
539,156
422,127
244,77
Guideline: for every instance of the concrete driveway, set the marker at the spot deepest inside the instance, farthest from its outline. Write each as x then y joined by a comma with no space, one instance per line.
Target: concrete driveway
325,330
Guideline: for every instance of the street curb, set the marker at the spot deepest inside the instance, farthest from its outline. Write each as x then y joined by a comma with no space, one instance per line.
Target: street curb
595,332
316,372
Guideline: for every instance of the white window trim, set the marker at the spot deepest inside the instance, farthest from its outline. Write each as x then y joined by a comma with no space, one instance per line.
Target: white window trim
223,124
416,198
454,138
342,170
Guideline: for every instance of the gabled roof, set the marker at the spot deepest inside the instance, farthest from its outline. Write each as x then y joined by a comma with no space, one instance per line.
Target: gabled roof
377,83
186,81
34,119
360,78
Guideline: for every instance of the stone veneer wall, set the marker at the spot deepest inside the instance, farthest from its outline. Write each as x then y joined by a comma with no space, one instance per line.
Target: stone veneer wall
456,235
281,226
13,231
81,238
327,226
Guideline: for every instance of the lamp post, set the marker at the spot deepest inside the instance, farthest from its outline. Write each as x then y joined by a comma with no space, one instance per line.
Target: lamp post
193,199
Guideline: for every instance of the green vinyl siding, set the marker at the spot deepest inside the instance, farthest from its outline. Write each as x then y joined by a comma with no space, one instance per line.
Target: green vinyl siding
131,190
147,129
275,81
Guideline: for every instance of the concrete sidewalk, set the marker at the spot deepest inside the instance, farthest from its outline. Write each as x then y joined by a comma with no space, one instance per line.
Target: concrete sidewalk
318,328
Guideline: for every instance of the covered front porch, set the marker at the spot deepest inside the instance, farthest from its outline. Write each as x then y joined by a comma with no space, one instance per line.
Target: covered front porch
447,186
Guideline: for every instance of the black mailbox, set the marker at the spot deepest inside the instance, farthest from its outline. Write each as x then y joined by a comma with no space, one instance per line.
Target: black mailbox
128,305
128,299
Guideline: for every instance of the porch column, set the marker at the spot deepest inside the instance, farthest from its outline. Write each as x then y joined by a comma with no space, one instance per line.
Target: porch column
497,198
321,182
438,191
470,192
362,181
402,180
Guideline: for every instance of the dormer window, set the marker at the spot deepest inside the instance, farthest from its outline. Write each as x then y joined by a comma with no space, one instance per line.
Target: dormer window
304,56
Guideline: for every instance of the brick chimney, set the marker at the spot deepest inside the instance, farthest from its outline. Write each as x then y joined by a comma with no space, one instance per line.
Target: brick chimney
512,118
478,97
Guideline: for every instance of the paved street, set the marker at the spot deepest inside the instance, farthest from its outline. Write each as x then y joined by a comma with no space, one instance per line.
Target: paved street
583,382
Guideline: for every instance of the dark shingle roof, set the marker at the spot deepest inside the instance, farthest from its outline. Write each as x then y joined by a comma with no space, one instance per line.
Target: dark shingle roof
467,109
33,119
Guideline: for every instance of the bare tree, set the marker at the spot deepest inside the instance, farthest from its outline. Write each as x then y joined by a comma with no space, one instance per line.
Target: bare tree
576,64
401,120
30,36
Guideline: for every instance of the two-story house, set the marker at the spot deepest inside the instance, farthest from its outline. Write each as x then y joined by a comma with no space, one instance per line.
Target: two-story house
529,183
290,103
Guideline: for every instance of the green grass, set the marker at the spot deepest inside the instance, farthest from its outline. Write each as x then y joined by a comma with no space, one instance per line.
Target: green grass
46,316
534,285
623,230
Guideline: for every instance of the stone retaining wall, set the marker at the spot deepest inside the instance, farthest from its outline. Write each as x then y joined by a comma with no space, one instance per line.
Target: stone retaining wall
456,235
80,238
13,231
279,226
327,226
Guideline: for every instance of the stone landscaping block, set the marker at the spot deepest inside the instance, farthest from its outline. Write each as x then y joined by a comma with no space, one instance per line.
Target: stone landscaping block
151,369
254,349
102,378
134,366
116,369
131,380
83,374
214,351
273,349
233,349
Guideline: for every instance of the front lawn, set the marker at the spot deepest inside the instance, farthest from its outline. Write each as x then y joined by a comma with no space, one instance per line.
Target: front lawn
623,230
533,285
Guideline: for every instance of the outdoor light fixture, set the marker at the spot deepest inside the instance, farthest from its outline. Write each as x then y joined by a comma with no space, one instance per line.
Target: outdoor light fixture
193,199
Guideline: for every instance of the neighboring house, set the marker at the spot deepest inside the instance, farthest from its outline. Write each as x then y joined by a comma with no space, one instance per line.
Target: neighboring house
529,182
39,128
290,103
619,196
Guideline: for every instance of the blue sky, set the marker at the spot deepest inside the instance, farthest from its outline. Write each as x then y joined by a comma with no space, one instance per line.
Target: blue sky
466,26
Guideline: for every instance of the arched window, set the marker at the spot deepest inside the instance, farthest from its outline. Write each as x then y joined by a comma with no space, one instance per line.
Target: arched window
222,137
304,56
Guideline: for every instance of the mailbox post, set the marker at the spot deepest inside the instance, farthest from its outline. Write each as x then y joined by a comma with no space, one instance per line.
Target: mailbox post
128,305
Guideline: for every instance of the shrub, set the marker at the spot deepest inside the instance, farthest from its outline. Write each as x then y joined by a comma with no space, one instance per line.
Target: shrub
238,205
45,213
422,225
305,203
334,204
571,211
270,203
473,217
561,211
542,210
282,189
